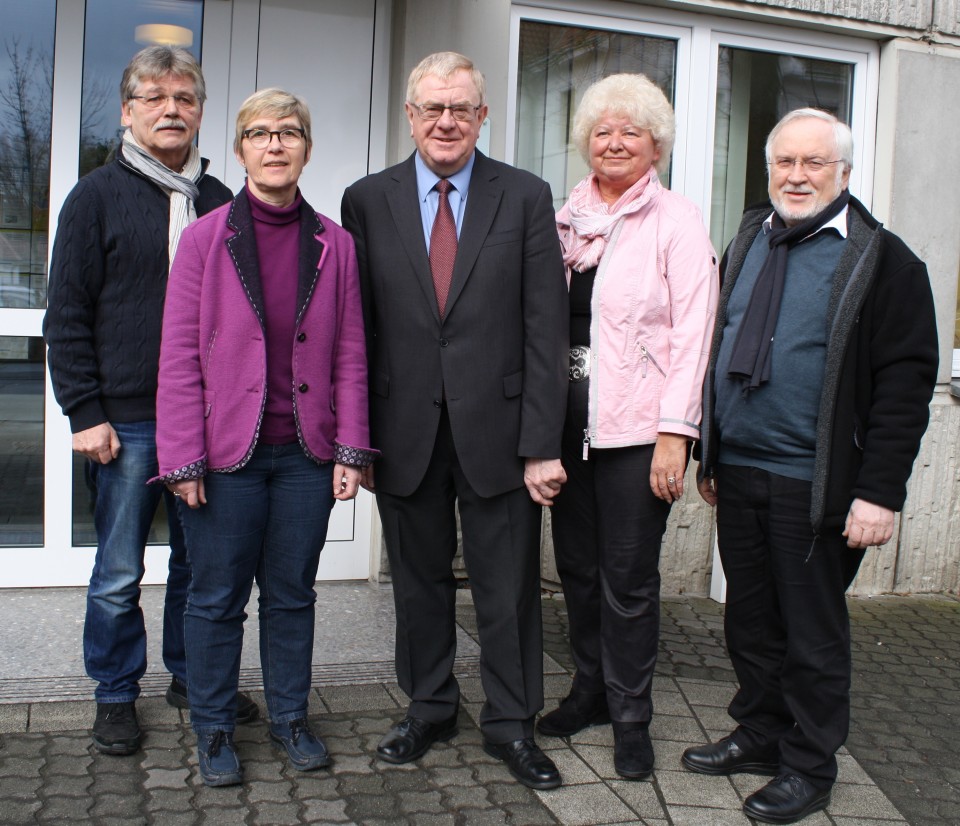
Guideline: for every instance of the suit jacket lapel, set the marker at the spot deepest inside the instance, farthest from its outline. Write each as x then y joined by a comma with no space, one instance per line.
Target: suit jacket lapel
243,252
404,203
483,200
311,255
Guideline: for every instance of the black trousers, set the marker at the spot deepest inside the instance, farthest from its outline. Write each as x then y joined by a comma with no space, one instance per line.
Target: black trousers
501,549
607,531
786,621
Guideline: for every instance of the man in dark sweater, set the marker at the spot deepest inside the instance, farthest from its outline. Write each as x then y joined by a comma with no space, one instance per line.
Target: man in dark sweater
817,394
117,235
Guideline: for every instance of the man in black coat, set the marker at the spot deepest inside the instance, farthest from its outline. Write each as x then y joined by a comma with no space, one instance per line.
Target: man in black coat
817,395
466,311
116,237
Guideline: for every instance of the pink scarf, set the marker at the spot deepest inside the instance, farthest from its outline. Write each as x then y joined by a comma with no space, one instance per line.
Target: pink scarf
591,220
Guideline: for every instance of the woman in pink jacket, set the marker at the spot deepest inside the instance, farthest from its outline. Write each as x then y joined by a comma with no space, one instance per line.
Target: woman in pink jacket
261,427
643,290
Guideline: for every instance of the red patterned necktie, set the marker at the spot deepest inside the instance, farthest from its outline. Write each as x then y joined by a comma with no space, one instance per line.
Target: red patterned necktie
443,246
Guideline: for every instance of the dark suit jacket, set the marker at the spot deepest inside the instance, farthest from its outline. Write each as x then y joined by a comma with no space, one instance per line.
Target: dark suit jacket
500,354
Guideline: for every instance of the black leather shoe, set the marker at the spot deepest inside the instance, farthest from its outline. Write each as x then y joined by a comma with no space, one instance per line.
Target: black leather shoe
632,750
576,712
411,737
726,757
247,709
786,799
526,762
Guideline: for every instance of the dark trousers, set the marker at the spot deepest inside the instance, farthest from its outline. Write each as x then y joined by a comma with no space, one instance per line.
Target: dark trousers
786,621
501,549
607,530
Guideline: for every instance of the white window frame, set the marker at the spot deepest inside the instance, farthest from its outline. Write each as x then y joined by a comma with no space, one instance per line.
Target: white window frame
700,37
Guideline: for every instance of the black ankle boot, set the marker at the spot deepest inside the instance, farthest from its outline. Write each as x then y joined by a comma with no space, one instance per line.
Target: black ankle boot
632,750
577,711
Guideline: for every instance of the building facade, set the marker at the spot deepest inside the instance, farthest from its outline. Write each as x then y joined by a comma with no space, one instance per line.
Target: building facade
731,69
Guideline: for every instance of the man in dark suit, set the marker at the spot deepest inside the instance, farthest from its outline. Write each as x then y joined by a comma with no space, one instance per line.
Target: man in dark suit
466,309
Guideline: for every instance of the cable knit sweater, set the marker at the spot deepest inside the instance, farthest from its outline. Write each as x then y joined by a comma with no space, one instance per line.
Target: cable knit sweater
108,277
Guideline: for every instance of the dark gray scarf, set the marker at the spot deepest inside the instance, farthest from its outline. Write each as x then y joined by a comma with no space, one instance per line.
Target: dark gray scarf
750,357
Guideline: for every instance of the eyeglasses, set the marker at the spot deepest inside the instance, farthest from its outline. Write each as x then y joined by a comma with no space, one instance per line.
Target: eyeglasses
185,102
434,111
260,138
810,164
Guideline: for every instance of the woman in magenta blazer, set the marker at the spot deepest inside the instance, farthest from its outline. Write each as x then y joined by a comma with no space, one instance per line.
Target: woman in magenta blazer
261,427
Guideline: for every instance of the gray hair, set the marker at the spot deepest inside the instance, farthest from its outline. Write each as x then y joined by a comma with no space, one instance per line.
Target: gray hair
632,96
272,103
156,62
444,65
842,136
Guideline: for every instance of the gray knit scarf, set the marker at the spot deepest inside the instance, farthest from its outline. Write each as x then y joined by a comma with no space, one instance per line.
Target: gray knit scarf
182,188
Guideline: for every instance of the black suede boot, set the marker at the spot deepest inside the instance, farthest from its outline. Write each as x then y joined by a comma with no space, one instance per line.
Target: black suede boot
576,712
632,750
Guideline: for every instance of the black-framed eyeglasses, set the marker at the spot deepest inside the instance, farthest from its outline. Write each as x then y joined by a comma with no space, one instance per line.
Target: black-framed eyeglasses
434,111
185,102
260,138
810,164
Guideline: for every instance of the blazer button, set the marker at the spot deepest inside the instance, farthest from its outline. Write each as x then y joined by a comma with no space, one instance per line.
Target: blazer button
437,403
444,342
302,337
304,387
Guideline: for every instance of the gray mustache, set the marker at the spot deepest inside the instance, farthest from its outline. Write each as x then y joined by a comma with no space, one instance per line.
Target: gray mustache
172,123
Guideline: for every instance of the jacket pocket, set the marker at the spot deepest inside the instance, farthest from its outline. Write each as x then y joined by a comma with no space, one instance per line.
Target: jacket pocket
513,384
496,238
647,358
380,384
858,434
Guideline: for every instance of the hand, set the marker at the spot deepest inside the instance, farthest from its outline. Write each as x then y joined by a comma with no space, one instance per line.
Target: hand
543,478
99,443
366,479
346,481
669,462
708,490
868,524
190,492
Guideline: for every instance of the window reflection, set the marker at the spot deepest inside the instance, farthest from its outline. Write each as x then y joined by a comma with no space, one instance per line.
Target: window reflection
21,440
754,90
115,31
26,95
557,64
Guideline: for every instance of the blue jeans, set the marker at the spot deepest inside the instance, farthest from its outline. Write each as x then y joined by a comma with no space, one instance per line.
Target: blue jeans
114,637
266,521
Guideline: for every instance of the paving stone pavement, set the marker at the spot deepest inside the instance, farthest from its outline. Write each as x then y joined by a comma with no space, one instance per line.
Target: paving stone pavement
897,768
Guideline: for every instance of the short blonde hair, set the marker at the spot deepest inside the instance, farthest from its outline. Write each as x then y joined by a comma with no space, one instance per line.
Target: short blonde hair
272,103
444,65
631,96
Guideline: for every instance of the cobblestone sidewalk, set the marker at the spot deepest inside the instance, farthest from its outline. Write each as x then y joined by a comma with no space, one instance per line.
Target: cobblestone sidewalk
901,765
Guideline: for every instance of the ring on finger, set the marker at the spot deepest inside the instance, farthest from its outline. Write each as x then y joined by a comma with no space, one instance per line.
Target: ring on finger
672,480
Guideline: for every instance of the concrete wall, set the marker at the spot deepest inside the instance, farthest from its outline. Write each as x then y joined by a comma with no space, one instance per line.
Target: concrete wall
916,167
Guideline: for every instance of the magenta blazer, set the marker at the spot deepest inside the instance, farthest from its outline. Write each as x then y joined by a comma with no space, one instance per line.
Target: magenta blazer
213,358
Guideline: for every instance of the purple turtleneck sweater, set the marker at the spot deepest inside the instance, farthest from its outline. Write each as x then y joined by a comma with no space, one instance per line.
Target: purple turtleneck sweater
277,230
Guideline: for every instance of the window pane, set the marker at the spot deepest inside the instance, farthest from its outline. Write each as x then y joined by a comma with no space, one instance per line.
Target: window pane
557,64
115,31
26,95
754,90
21,440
